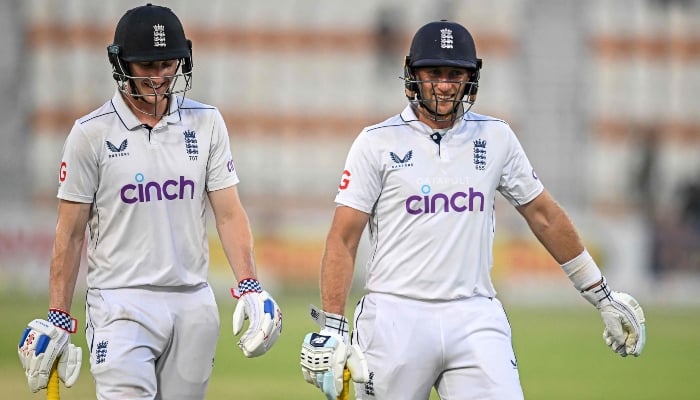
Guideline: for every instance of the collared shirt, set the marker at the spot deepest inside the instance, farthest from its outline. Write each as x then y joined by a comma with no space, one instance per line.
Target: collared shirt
431,202
147,187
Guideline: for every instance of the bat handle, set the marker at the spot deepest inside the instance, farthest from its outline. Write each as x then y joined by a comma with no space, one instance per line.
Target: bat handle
345,393
52,392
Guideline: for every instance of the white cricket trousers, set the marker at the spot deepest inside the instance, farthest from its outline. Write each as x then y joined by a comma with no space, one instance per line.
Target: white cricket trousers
151,343
461,347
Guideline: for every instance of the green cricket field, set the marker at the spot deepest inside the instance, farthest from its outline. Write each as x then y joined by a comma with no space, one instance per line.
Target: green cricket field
561,354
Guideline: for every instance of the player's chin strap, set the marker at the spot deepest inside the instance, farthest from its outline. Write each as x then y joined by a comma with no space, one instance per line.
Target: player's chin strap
459,109
419,107
622,315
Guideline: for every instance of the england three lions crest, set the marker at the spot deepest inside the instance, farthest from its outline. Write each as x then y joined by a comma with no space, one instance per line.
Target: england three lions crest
191,146
480,154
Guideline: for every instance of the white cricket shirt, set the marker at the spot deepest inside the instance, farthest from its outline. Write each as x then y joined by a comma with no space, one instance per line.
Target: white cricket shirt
431,206
148,191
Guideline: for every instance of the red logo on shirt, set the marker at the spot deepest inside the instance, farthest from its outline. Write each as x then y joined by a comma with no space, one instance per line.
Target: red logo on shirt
345,182
62,172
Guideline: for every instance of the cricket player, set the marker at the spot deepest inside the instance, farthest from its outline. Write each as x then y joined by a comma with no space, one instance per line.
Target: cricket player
425,182
137,172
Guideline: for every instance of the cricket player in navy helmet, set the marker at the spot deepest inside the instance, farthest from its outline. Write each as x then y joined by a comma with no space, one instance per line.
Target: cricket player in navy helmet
424,182
137,173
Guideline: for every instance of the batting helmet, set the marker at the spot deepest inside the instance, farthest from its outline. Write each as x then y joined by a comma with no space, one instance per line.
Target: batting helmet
149,33
442,44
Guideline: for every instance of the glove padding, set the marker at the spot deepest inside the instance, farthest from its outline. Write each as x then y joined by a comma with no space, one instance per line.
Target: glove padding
41,345
623,318
324,355
265,323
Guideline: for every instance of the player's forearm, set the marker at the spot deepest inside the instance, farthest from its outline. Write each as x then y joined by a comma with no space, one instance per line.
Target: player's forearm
560,238
552,227
237,242
63,272
67,250
337,269
233,226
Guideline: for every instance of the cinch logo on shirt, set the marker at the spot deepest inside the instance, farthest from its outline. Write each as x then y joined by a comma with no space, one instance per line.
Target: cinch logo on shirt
143,192
457,202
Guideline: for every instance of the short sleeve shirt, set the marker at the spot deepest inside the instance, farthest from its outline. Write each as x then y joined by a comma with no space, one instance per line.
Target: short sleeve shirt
431,205
147,188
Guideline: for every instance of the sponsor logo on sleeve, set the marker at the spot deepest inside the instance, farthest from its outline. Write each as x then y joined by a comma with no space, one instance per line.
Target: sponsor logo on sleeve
62,172
345,180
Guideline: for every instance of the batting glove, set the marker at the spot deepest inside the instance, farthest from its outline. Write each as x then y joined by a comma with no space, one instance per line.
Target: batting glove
324,355
43,343
257,306
623,318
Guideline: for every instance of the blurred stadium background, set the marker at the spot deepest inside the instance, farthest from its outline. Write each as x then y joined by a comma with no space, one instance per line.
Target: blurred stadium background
602,94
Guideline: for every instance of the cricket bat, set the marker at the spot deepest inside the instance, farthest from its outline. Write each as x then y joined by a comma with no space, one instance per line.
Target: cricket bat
52,387
345,393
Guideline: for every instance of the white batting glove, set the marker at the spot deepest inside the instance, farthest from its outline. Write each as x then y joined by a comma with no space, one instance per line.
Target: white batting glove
43,343
324,355
257,306
623,318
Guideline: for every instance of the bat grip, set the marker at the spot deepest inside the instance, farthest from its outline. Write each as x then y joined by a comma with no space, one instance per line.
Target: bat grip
52,392
345,393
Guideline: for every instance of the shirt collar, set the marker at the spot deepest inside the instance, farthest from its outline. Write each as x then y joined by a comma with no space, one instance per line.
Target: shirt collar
130,119
408,115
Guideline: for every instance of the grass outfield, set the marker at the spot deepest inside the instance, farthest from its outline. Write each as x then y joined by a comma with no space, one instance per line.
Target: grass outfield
561,355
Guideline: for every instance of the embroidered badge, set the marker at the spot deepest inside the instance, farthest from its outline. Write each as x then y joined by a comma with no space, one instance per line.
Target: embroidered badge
191,146
400,162
159,35
446,38
101,352
480,154
369,386
117,151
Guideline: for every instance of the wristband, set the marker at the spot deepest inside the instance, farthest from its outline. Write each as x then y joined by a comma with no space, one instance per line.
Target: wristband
582,271
245,286
62,320
331,323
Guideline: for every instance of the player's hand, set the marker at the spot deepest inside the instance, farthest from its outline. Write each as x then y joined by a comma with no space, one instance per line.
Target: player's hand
623,317
257,306
324,355
43,343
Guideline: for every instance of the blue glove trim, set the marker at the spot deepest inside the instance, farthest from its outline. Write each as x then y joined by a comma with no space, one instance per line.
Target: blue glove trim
42,344
269,308
24,336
